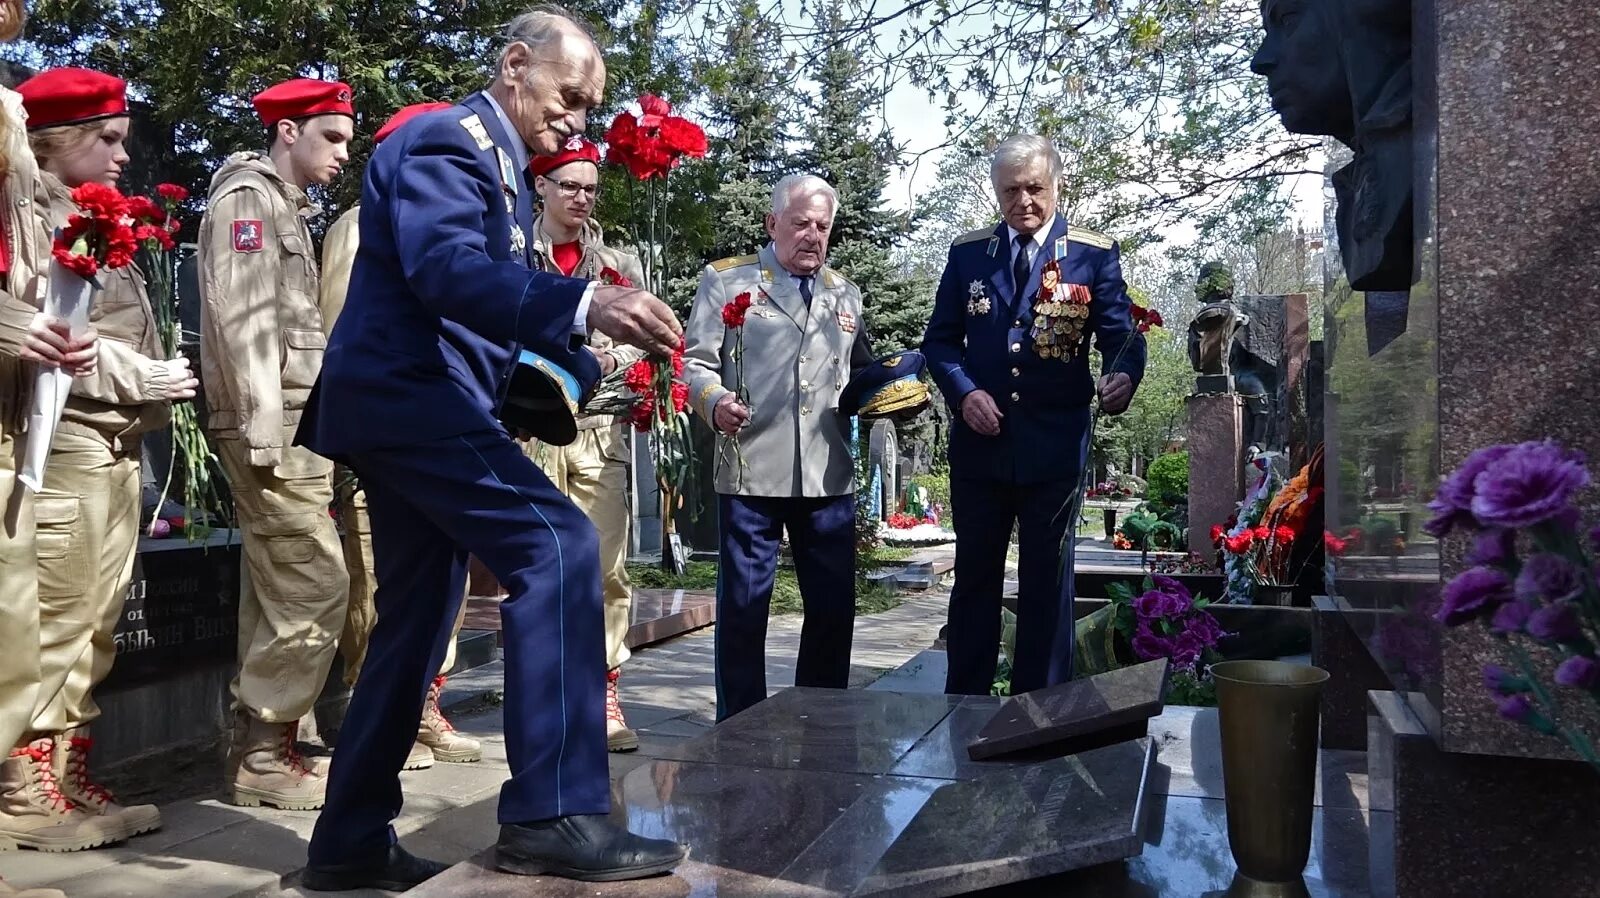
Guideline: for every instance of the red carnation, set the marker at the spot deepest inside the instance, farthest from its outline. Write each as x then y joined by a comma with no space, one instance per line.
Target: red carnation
83,266
642,412
639,377
680,396
1283,535
677,364
100,201
172,193
1333,544
156,233
145,209
1238,545
655,110
1261,532
1217,533
734,310
614,277
685,137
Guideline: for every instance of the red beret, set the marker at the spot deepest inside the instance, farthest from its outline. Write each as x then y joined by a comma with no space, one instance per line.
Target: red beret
405,115
71,95
302,98
576,150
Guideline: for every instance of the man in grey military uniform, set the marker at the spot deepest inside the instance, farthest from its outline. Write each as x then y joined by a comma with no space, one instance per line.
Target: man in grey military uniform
783,460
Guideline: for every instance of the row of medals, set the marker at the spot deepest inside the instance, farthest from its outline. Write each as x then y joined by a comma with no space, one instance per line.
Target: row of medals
1058,328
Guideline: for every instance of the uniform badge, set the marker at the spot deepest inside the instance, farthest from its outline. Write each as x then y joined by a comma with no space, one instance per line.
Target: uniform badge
847,322
519,240
480,136
247,235
508,172
978,299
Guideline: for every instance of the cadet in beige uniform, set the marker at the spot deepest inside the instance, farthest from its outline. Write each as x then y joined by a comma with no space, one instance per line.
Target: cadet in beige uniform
33,811
261,348
803,336
593,470
88,511
437,740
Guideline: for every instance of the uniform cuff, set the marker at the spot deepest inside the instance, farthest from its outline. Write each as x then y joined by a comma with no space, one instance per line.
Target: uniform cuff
710,395
580,321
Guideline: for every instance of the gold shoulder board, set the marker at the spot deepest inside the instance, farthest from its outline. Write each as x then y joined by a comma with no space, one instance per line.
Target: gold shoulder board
833,279
974,236
732,262
1092,238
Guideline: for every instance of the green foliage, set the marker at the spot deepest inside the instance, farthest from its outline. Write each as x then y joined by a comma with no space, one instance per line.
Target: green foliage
1146,531
1184,688
1168,477
1157,416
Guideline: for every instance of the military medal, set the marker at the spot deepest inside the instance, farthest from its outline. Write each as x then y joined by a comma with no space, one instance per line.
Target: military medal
1059,323
978,303
519,240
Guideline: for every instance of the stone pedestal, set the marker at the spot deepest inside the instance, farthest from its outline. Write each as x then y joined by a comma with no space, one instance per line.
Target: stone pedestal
1216,464
1472,824
1352,673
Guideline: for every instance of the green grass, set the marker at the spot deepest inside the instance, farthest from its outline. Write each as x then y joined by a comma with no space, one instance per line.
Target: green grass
871,598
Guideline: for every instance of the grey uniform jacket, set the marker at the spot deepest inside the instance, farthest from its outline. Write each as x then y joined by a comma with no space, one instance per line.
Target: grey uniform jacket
796,361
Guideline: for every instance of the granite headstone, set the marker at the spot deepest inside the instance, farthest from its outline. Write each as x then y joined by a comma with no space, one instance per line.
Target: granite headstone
1109,707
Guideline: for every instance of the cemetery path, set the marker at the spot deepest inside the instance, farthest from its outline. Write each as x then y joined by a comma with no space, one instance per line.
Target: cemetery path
208,849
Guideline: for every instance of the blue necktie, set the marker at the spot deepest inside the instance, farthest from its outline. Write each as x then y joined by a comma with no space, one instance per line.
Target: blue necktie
1020,269
805,291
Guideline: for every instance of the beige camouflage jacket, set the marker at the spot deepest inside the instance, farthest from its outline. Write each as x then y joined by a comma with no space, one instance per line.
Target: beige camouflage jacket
261,336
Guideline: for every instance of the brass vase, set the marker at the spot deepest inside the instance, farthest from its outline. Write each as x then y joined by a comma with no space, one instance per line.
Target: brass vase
1268,711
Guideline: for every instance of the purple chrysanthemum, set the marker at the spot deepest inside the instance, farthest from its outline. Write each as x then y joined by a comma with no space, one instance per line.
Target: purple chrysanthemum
1555,623
1579,672
1494,548
1452,506
1549,577
1473,592
1516,707
1529,484
1497,679
1511,617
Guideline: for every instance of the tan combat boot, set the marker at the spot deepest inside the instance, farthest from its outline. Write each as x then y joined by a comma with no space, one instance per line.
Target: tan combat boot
421,757
440,737
7,890
618,736
34,813
271,771
72,771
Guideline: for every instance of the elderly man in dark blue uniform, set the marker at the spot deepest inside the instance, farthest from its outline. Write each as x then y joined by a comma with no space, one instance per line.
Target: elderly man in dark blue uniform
1008,345
441,306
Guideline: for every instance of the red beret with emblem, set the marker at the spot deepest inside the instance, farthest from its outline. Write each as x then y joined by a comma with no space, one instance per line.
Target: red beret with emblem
576,150
405,115
68,96
302,98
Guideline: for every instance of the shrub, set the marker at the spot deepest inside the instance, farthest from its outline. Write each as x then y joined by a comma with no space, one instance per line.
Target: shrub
1168,478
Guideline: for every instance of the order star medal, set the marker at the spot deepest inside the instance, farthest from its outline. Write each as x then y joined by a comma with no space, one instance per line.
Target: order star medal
519,240
978,303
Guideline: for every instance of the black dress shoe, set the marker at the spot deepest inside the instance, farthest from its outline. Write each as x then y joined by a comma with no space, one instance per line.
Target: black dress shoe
399,871
587,847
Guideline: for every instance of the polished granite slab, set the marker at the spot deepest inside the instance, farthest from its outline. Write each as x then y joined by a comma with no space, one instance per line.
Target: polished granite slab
1074,712
658,614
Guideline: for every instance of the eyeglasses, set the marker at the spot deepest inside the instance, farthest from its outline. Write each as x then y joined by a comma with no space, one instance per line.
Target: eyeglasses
571,188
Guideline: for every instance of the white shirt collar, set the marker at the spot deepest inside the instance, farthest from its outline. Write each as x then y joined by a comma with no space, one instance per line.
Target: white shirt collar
517,146
1037,238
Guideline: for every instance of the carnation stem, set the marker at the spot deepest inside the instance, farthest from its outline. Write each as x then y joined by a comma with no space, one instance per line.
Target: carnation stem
1551,707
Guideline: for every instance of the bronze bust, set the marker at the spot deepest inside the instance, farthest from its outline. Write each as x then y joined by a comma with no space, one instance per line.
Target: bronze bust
1342,69
1212,329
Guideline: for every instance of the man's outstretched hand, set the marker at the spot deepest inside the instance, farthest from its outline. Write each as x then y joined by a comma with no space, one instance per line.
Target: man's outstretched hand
635,317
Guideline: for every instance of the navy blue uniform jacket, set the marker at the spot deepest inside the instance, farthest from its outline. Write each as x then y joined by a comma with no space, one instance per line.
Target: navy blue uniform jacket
440,304
972,345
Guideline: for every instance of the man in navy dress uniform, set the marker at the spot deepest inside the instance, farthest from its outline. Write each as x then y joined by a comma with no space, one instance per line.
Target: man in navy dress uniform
1008,345
442,303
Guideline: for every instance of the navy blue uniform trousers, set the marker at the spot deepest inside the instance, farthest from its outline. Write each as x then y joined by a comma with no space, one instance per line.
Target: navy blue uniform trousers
822,535
985,511
431,505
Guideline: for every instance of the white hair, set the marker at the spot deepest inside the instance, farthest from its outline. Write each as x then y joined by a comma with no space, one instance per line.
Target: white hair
542,29
791,186
1021,149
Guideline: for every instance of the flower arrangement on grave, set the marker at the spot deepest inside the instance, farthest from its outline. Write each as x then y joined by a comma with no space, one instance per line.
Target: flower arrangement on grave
1193,563
1530,581
155,224
1163,620
1273,529
649,141
1114,488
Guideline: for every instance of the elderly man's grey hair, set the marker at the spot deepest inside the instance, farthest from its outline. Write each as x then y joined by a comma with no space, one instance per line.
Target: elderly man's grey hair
1019,150
542,28
791,186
